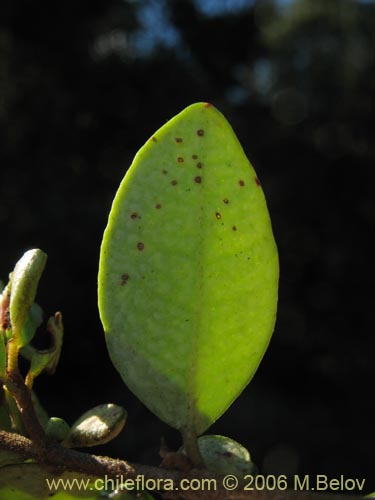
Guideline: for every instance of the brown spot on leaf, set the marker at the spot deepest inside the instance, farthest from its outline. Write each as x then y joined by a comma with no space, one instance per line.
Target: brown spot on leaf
200,132
208,105
234,228
158,206
257,181
124,279
241,182
164,172
174,182
180,159
154,139
140,246
227,454
198,179
195,157
199,164
134,215
218,215
226,201
178,140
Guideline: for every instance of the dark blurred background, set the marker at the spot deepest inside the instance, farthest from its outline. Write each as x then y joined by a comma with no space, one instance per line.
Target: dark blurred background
84,84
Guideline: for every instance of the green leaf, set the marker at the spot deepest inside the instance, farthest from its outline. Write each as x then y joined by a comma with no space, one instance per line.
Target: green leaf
33,320
24,284
57,429
47,359
97,426
188,271
29,481
13,412
223,455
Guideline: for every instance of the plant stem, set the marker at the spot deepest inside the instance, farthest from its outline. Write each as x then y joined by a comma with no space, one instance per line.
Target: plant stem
191,448
12,356
22,395
14,413
98,466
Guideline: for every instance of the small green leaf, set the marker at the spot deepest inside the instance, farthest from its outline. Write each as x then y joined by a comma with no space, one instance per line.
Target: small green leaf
24,284
188,271
47,359
57,429
97,426
223,455
33,321
13,412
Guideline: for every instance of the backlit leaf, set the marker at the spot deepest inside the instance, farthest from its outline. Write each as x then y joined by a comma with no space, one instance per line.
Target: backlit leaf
188,271
24,284
97,426
225,456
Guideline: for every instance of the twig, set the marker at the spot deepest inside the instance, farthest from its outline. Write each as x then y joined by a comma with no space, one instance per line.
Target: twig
99,466
50,454
22,395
